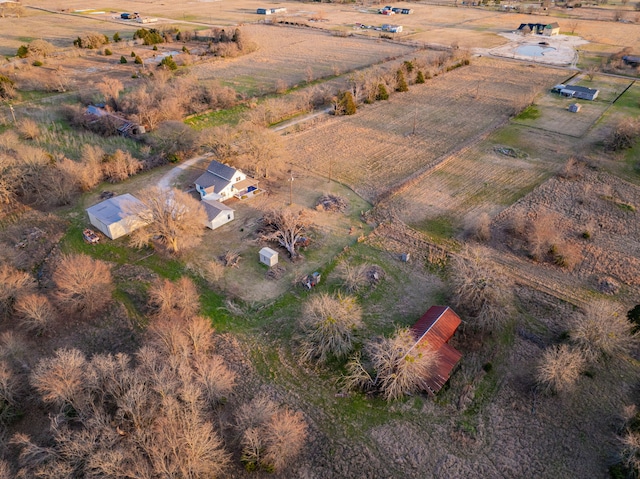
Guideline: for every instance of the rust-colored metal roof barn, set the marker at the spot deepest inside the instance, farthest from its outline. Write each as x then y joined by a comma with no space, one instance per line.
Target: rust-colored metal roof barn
434,330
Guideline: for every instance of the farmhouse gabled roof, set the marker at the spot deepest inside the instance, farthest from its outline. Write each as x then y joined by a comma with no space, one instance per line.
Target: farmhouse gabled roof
114,210
206,180
433,330
221,170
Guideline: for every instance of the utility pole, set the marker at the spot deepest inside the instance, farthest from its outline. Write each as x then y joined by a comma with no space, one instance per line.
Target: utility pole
13,113
415,116
291,189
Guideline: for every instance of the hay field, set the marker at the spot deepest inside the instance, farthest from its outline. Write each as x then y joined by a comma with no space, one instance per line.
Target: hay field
375,150
60,30
289,54
464,38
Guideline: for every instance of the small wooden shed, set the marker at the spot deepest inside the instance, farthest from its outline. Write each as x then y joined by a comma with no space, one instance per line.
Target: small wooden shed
575,107
268,257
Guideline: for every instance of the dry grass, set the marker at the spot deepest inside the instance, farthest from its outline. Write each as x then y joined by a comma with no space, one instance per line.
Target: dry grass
284,56
446,111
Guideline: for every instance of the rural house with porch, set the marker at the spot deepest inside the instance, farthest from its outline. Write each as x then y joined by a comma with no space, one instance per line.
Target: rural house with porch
221,182
433,331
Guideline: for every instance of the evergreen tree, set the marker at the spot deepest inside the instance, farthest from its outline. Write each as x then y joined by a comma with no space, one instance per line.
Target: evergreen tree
402,82
382,94
347,104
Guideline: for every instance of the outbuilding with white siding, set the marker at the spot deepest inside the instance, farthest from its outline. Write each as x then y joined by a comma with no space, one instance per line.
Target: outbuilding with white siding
115,217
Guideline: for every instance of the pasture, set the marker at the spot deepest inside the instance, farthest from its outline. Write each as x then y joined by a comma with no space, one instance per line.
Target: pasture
292,56
388,142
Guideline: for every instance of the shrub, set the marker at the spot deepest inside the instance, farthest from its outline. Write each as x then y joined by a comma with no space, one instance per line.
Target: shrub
138,60
560,368
603,331
624,135
108,52
633,315
382,93
328,324
155,48
123,59
168,63
353,277
133,54
23,51
116,37
400,367
7,88
150,37
37,63
83,284
420,77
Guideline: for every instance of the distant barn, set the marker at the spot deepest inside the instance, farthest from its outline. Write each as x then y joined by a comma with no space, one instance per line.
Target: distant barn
434,330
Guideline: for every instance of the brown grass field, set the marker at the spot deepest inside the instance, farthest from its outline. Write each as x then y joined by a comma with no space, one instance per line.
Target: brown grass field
433,157
290,55
446,111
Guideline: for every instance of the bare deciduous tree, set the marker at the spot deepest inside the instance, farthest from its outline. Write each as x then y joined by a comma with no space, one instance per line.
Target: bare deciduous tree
270,436
35,312
178,298
401,365
111,89
261,150
328,324
286,433
603,330
119,166
286,228
175,218
60,380
83,284
480,291
560,368
13,283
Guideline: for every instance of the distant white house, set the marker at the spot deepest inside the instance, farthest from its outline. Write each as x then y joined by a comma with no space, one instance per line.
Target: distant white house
576,91
217,213
268,256
221,182
114,217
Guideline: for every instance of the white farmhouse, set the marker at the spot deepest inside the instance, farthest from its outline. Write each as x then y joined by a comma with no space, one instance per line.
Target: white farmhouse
221,182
